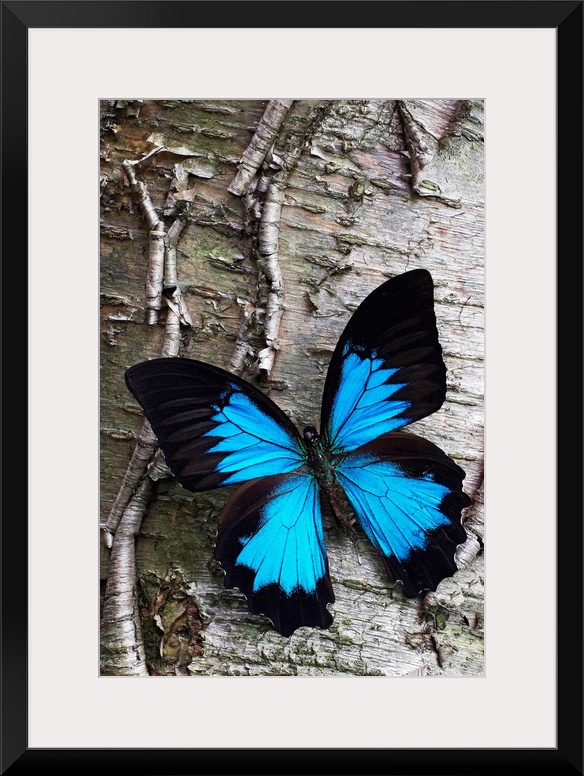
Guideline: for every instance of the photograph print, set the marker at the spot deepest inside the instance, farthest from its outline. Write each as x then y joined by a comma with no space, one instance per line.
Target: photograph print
292,385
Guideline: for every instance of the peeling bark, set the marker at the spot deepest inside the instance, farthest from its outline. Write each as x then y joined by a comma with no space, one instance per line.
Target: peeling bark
146,445
425,124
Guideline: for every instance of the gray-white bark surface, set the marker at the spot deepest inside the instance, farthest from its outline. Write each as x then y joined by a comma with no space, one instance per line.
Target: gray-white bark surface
349,193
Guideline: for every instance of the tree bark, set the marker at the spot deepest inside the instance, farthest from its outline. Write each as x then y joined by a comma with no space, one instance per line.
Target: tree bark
244,233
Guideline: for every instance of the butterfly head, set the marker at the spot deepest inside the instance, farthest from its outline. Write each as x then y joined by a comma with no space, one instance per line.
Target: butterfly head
310,435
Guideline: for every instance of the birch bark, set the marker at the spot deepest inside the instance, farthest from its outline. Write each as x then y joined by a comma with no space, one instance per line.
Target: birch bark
273,220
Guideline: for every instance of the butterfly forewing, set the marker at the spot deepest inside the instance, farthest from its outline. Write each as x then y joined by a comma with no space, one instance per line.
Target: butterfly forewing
387,368
213,427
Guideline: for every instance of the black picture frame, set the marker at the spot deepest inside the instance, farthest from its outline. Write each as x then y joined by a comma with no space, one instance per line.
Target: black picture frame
566,18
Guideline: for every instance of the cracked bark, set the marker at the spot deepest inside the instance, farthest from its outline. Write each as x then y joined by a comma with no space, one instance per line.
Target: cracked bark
334,205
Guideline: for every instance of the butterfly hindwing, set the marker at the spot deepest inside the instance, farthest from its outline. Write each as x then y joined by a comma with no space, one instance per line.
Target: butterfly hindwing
271,545
213,427
387,368
407,496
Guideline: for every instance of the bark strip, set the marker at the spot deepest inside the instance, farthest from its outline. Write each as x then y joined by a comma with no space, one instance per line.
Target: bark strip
121,637
263,179
242,347
144,450
260,144
156,244
268,237
155,274
269,263
122,648
420,152
177,310
141,193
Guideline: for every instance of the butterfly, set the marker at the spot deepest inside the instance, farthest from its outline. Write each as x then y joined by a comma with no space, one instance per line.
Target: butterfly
386,372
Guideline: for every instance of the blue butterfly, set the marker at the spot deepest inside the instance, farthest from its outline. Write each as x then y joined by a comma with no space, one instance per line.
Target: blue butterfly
217,429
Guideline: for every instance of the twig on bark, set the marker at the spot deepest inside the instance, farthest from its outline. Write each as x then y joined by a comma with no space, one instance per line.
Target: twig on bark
269,262
177,312
121,637
155,274
260,144
268,256
264,195
419,150
121,631
141,193
146,444
156,244
242,347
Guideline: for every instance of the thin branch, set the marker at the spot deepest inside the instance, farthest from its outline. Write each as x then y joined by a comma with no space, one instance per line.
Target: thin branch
260,144
155,274
242,347
171,341
121,637
155,241
141,193
420,153
264,197
170,241
268,237
177,313
144,450
269,263
146,442
121,631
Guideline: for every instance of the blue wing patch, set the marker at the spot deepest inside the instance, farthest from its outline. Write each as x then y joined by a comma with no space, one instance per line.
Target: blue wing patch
271,544
287,547
364,405
396,512
387,369
252,443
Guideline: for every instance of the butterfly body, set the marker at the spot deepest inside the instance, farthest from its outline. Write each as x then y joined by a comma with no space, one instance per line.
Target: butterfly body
323,464
217,429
